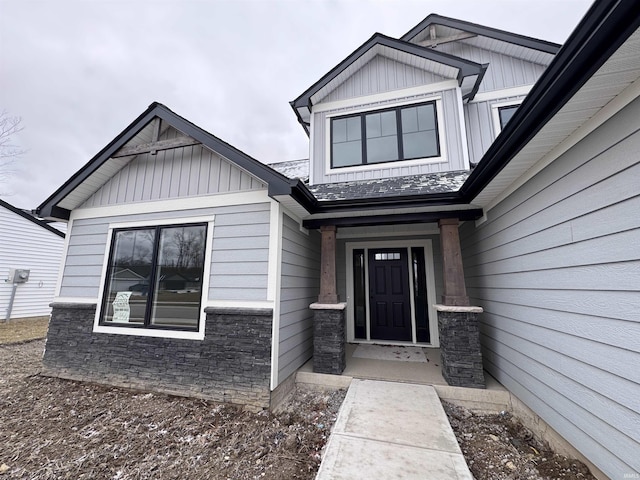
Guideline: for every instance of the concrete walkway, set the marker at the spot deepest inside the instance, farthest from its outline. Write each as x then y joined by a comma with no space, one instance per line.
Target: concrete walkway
390,430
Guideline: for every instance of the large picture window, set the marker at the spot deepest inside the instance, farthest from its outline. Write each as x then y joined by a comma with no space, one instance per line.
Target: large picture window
400,133
154,277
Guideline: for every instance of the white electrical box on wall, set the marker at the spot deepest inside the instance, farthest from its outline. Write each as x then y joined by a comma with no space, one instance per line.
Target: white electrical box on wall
18,275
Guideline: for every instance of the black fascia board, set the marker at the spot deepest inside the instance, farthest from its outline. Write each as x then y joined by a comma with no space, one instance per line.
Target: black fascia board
393,219
466,67
604,28
274,180
302,194
31,218
503,35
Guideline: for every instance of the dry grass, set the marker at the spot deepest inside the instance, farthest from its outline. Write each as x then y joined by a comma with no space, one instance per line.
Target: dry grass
23,330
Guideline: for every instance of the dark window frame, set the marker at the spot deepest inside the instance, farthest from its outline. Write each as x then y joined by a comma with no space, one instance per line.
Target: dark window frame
502,108
399,133
147,325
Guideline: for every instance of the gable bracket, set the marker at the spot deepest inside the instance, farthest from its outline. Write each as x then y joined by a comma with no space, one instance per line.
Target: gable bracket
154,147
434,42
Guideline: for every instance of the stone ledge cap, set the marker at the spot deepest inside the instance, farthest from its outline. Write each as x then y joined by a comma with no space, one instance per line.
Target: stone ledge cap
458,309
328,306
74,306
261,312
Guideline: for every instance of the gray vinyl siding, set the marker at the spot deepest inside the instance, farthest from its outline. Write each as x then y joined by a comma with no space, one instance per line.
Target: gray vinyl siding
24,244
453,143
381,74
480,126
504,71
239,261
176,173
557,269
300,284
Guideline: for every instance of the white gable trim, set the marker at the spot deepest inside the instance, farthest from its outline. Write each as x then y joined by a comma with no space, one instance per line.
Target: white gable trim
187,203
504,93
385,96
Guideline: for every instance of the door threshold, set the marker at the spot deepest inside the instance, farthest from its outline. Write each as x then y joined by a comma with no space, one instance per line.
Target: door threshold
393,343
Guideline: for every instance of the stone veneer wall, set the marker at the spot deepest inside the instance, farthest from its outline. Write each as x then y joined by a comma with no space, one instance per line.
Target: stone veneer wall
329,354
232,364
460,348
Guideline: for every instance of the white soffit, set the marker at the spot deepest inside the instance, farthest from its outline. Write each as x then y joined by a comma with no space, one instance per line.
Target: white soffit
611,79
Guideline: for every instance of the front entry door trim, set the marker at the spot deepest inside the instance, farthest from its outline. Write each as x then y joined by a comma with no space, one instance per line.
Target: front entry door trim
431,296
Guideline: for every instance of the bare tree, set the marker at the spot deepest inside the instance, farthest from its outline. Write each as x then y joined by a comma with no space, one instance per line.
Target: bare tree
9,152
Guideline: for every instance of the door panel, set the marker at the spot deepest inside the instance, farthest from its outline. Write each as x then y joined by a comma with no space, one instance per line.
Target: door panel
389,298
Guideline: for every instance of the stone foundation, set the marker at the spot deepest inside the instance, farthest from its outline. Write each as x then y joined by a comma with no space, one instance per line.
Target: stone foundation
460,346
232,364
329,349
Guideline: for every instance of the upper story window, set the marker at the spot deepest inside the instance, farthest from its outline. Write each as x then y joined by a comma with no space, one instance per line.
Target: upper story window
154,277
389,135
505,114
502,113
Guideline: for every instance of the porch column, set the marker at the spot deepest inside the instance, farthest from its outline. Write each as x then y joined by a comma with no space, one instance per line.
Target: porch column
455,292
458,322
329,354
328,290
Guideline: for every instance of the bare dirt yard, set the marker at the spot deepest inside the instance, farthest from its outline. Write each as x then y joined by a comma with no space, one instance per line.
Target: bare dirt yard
498,447
52,428
58,429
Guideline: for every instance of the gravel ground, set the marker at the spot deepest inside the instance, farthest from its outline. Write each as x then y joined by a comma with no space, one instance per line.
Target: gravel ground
52,428
498,447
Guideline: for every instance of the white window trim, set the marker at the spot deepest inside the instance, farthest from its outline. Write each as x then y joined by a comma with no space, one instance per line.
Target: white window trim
206,276
495,113
431,292
394,164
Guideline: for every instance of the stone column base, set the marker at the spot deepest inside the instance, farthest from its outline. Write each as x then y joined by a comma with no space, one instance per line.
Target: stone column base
460,346
329,354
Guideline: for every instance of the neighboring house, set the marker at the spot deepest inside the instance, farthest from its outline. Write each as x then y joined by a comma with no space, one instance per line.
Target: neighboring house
27,243
428,197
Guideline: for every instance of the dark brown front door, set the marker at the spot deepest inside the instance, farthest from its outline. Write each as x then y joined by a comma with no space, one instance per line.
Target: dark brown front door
389,301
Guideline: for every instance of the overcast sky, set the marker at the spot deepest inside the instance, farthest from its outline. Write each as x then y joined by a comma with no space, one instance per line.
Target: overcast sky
78,72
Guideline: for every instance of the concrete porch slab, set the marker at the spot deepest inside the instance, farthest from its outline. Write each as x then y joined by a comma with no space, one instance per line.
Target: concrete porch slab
392,430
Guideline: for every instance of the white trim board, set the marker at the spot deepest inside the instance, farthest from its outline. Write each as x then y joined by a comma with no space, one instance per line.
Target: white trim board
275,282
367,102
504,93
188,203
431,292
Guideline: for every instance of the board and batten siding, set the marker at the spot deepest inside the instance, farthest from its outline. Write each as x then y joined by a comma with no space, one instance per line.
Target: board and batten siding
480,125
175,173
381,74
504,71
556,268
300,285
239,260
453,147
24,244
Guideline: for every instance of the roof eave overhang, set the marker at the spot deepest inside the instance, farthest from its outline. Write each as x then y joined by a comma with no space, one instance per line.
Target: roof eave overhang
393,218
605,27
